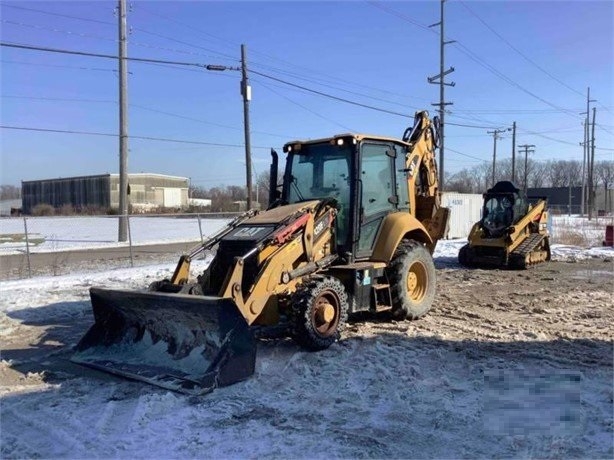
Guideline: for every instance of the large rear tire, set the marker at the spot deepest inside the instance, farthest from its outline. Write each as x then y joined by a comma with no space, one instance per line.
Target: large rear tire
319,313
412,278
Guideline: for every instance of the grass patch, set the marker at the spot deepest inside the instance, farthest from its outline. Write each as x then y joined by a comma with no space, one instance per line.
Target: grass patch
579,232
573,237
20,238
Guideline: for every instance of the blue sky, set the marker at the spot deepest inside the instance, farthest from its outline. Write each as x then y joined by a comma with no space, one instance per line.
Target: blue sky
529,62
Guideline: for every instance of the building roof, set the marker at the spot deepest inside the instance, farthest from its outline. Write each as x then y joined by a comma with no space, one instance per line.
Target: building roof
94,176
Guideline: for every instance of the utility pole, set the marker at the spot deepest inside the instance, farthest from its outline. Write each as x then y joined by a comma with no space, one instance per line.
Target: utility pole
495,134
439,79
586,166
583,144
246,92
528,148
123,124
591,194
514,153
569,205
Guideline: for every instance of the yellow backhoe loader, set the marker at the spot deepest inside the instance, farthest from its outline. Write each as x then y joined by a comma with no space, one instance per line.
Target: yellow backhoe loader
351,230
512,232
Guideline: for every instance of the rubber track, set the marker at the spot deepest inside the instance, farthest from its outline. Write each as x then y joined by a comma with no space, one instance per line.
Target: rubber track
518,257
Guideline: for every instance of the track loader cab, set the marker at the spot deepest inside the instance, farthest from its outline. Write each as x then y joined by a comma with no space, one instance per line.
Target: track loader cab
503,207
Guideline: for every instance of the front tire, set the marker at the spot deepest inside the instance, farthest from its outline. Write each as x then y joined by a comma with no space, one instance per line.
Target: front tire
319,313
412,278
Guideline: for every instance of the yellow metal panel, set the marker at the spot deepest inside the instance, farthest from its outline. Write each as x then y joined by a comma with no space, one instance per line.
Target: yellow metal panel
394,227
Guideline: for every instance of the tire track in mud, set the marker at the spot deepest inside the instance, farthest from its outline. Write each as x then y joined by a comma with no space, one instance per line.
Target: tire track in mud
552,313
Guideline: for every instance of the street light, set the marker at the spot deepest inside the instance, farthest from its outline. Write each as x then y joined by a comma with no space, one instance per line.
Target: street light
495,134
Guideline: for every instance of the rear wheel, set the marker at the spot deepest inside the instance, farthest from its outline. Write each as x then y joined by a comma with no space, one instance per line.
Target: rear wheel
411,274
319,313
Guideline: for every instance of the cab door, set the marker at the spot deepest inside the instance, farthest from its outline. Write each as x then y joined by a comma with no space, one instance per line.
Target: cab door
377,192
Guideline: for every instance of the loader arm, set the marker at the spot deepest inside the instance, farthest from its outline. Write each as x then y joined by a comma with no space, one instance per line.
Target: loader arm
422,177
521,228
294,247
181,275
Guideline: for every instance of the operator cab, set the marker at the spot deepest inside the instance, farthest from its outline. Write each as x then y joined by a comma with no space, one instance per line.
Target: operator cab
503,207
366,176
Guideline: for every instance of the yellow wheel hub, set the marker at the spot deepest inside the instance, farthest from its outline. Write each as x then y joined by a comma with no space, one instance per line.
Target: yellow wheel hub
417,280
326,312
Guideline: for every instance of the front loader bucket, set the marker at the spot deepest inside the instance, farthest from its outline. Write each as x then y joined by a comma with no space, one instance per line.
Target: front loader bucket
185,343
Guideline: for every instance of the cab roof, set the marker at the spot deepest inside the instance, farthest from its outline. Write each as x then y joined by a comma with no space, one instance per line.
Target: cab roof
357,137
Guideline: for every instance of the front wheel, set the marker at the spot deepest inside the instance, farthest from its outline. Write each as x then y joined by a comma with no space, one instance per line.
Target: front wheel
319,313
411,274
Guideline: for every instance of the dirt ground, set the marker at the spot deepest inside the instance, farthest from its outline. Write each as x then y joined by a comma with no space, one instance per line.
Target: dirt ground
567,305
562,312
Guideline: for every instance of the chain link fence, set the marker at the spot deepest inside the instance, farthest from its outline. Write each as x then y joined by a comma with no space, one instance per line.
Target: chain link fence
57,245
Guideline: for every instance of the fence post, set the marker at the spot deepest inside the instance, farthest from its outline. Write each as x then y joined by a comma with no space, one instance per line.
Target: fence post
200,229
25,226
130,240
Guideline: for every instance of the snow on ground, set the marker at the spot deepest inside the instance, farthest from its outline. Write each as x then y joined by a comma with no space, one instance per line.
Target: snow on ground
48,234
401,390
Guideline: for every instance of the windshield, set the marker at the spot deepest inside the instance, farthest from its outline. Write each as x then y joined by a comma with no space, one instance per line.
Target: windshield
320,171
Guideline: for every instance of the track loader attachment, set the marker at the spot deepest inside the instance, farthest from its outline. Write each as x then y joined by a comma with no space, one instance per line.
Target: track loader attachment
185,343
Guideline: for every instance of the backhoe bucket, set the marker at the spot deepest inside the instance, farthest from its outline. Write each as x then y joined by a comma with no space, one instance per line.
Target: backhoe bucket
185,343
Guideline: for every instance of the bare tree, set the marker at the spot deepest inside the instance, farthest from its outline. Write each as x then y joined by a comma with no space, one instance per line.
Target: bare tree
483,176
604,170
9,192
559,173
262,189
536,174
462,182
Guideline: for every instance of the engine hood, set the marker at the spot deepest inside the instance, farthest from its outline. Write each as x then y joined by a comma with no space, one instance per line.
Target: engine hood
263,224
278,214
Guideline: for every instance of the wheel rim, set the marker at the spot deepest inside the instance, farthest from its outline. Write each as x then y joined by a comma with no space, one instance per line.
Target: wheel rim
417,281
325,314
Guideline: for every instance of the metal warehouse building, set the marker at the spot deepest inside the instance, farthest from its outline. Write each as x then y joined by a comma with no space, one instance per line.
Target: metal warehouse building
146,191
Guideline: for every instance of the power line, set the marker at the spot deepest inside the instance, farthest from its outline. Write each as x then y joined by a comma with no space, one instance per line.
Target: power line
211,67
60,66
278,70
529,60
347,101
463,49
302,77
304,108
474,57
110,56
59,15
149,109
148,138
98,37
51,29
466,155
57,99
330,96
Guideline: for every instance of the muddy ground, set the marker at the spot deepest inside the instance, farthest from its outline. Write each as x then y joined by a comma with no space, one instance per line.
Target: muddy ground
555,301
